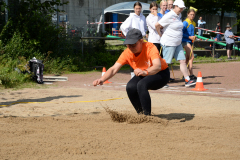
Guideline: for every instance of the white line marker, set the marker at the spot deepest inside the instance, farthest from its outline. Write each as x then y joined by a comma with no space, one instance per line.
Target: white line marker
216,88
198,92
120,83
233,91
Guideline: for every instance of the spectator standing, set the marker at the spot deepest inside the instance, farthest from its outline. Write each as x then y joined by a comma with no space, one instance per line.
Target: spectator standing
170,6
152,19
201,24
135,20
218,29
163,11
230,25
172,37
163,7
187,40
229,37
150,69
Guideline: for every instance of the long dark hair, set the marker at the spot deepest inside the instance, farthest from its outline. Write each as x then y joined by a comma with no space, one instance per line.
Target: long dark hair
137,4
153,4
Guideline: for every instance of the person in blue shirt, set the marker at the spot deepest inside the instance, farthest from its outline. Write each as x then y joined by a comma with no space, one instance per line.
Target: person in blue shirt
163,7
187,40
170,6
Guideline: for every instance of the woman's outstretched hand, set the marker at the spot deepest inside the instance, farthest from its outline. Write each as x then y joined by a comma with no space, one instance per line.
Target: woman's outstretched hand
97,82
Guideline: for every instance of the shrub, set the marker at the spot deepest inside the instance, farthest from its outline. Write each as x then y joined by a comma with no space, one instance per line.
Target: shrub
11,72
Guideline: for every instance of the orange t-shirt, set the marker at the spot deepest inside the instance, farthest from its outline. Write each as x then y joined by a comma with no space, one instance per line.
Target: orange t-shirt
144,59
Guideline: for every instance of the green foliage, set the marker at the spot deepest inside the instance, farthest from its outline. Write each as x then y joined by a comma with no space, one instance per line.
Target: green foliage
30,33
33,20
10,76
17,46
13,61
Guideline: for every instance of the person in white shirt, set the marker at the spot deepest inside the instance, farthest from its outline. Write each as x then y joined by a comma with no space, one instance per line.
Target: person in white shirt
152,19
136,20
201,24
172,37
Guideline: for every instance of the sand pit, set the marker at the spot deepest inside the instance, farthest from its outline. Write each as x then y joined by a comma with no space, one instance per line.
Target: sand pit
62,126
133,118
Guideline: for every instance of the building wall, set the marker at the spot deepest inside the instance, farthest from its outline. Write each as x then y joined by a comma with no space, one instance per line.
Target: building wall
80,11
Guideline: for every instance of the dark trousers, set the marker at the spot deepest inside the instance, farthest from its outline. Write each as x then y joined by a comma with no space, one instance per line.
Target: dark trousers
137,90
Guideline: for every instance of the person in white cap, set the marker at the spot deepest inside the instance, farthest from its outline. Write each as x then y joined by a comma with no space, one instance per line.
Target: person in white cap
172,37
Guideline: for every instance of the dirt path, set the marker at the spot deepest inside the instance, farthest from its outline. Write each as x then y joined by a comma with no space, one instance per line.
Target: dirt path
68,123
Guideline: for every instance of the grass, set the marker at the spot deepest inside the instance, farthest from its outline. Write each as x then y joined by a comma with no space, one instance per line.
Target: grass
25,85
204,59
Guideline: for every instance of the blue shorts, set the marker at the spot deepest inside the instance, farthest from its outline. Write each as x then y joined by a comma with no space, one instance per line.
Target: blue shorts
185,43
173,51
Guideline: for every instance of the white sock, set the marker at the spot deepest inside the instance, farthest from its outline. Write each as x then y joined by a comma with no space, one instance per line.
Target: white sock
132,75
187,78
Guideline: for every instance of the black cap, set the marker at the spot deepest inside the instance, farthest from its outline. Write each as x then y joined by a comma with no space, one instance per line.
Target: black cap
133,36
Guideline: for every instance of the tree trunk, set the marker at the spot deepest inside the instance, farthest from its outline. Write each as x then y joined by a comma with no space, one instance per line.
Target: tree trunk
221,21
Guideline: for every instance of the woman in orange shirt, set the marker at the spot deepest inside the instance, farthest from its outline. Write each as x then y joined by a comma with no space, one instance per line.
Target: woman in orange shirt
150,69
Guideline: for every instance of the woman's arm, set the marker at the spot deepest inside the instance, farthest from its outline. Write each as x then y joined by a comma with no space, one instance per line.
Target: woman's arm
126,25
185,31
155,68
158,28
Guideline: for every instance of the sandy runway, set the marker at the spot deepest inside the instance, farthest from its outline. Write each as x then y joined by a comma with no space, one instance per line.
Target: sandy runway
62,126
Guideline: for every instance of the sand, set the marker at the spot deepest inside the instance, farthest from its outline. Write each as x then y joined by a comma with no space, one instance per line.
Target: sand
67,123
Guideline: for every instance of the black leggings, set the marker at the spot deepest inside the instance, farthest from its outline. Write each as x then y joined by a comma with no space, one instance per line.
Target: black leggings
137,90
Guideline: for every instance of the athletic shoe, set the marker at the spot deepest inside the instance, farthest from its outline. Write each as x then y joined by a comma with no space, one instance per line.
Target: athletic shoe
166,86
229,58
171,79
190,83
192,77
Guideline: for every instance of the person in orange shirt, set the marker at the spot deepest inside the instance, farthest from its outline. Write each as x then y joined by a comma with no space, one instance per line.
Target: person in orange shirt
150,69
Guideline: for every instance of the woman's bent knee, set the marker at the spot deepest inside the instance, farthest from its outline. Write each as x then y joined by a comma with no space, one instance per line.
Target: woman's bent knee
131,87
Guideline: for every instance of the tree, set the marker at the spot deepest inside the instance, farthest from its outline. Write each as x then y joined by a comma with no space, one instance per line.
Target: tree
33,20
214,6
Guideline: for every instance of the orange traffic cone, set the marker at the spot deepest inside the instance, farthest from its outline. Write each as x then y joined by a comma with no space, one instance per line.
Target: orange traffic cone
199,84
103,72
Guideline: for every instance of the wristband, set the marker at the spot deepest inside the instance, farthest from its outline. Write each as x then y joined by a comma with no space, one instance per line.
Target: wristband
146,71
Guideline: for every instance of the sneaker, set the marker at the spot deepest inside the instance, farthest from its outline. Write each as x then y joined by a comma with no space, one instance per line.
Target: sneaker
192,77
171,79
166,86
190,83
229,58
